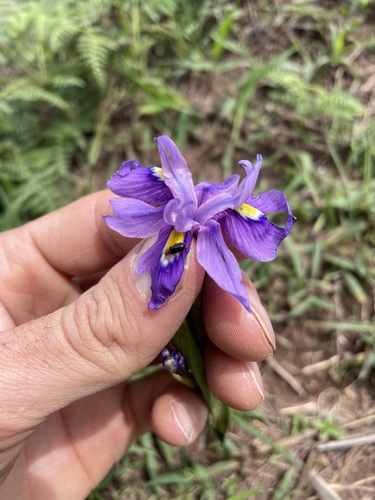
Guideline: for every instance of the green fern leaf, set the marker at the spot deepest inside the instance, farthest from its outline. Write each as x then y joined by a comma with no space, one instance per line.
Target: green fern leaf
25,90
93,50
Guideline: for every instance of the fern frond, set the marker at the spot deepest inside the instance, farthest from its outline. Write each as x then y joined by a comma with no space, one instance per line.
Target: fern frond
63,81
154,9
25,90
93,50
313,100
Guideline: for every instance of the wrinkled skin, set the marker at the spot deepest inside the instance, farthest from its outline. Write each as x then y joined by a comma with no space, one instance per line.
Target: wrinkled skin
67,345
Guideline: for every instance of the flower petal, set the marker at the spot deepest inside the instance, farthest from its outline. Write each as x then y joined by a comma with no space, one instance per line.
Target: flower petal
165,260
176,173
248,184
206,190
134,218
270,201
214,205
274,201
179,215
255,237
218,198
144,183
219,262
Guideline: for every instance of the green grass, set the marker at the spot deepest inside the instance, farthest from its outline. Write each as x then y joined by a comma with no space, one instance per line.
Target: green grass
86,85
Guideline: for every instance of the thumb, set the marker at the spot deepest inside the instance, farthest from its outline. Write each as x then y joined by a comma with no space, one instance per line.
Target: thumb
99,340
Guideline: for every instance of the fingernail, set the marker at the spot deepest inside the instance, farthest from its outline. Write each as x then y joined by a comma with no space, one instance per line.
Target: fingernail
142,281
255,378
261,316
185,417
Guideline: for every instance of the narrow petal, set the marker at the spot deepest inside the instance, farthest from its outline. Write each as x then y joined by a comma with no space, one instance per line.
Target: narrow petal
176,172
248,184
219,262
143,183
165,260
255,237
134,218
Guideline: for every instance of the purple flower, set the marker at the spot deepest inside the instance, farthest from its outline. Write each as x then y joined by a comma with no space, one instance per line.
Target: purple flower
174,361
164,202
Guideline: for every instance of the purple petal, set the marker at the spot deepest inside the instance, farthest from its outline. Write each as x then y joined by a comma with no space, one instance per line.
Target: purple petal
248,184
176,172
134,218
174,361
166,268
205,190
219,198
256,239
214,205
143,183
270,201
179,216
219,262
274,201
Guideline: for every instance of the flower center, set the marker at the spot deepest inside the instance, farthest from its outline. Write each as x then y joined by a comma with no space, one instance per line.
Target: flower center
174,245
249,212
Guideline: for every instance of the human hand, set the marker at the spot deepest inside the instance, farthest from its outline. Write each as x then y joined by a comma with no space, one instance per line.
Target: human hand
65,350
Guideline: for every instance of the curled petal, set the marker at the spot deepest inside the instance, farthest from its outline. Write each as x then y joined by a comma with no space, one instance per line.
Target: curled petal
134,218
206,190
176,172
166,264
179,215
255,237
215,205
144,183
248,184
219,262
218,198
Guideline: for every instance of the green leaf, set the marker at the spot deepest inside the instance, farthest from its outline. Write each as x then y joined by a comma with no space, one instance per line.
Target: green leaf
186,343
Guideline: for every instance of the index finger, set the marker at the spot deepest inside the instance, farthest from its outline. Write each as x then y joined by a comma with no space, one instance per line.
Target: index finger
75,240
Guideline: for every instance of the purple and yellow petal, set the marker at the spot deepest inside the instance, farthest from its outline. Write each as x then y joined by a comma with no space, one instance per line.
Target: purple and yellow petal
165,260
142,183
252,233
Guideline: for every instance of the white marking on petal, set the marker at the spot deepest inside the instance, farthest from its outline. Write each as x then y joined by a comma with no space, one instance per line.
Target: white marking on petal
158,173
248,212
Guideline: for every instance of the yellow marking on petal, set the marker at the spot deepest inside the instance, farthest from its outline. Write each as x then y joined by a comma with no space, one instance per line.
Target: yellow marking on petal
249,212
157,172
174,238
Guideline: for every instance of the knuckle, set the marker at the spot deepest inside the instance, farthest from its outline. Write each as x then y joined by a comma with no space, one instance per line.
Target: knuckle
105,325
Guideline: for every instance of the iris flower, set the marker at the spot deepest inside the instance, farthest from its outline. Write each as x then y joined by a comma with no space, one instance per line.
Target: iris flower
163,202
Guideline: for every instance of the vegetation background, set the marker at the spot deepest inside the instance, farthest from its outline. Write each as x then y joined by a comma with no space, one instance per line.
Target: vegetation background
86,85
